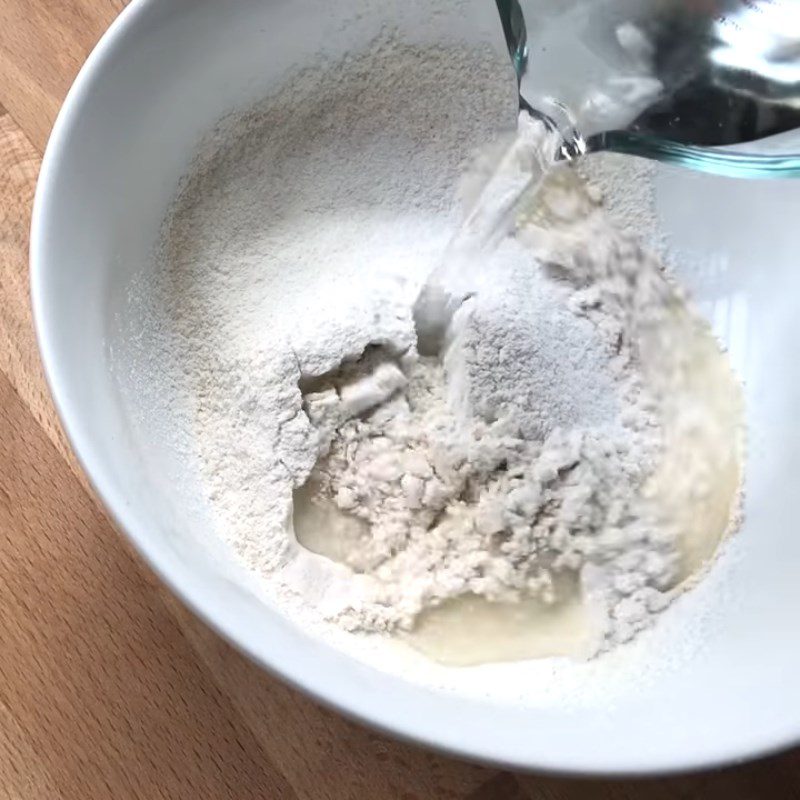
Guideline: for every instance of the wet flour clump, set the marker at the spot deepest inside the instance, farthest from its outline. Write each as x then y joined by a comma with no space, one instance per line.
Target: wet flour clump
511,469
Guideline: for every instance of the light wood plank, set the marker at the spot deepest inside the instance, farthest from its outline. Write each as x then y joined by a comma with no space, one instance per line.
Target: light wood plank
322,755
19,356
95,671
22,776
43,44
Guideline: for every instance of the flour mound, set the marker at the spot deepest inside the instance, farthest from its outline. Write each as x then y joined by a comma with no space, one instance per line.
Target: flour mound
509,469
364,484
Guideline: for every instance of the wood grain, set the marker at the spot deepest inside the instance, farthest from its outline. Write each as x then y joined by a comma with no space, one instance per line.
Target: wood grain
43,44
108,686
19,357
94,668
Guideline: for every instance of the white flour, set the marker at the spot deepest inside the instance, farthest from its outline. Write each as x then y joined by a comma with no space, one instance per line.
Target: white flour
517,464
290,263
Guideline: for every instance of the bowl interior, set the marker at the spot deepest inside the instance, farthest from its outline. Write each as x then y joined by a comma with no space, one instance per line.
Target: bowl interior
159,80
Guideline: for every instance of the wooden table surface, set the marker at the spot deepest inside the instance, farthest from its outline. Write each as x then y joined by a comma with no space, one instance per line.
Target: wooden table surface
108,687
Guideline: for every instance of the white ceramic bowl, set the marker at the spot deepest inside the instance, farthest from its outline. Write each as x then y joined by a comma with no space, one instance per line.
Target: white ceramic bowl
164,72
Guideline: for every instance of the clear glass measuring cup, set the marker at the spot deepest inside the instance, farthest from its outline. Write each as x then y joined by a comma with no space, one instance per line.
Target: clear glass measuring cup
712,84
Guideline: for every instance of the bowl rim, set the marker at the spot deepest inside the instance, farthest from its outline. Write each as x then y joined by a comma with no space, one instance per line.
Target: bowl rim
356,702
